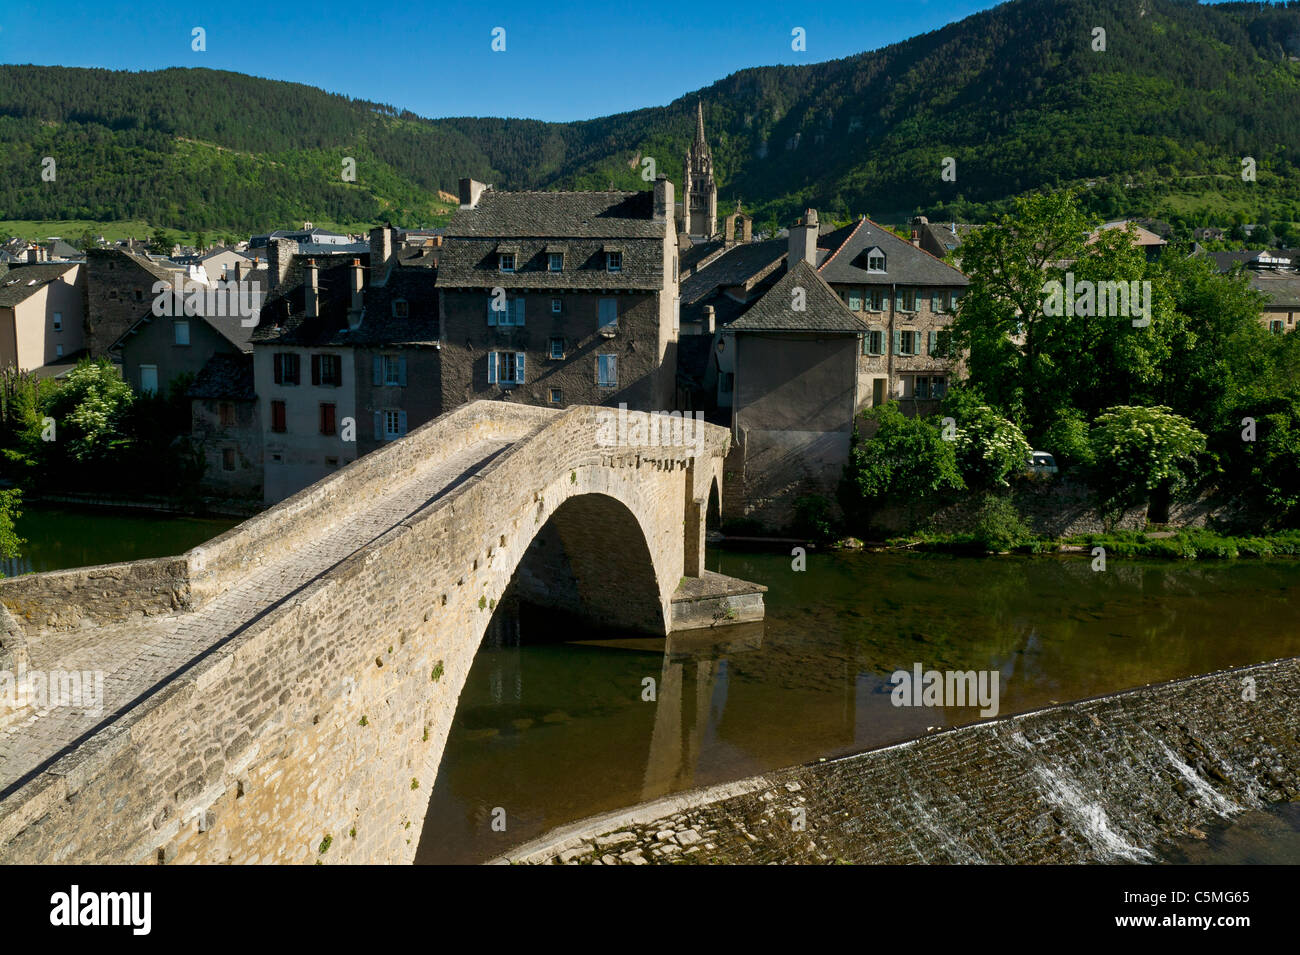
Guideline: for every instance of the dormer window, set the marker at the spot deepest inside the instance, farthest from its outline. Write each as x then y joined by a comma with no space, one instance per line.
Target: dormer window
506,261
613,261
555,261
401,308
875,260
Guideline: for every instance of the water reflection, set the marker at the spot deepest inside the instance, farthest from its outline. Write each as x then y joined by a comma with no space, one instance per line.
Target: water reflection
552,726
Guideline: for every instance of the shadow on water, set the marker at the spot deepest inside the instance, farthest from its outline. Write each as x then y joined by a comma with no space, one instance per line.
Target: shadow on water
552,725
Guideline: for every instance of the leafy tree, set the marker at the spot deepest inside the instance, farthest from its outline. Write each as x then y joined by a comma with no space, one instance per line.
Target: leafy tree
906,462
89,409
1067,440
990,449
161,242
10,542
1140,451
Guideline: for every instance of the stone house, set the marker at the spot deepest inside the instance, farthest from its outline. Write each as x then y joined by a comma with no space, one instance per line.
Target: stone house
560,298
42,314
226,426
119,292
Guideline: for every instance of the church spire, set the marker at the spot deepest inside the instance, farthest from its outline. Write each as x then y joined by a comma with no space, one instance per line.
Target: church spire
699,122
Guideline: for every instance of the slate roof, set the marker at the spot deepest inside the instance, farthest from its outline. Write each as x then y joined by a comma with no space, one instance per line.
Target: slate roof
823,311
284,316
943,236
905,264
584,224
225,376
379,326
690,254
229,327
737,266
15,281
1224,261
1283,291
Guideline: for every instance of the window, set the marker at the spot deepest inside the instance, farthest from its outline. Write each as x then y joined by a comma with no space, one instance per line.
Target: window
506,261
907,300
940,344
505,368
390,424
226,410
331,462
556,349
613,261
112,293
555,261
938,387
139,295
149,379
941,301
875,260
1276,327
876,300
557,397
855,300
58,321
227,459
511,314
726,382
327,418
906,342
556,306
277,417
607,371
873,342
608,313
326,370
284,365
58,351
394,370
401,308
181,332
921,388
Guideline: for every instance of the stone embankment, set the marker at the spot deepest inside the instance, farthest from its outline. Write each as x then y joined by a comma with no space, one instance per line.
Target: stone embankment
1103,780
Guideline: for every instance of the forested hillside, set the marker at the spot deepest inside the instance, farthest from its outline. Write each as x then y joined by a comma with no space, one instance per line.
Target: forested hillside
1158,124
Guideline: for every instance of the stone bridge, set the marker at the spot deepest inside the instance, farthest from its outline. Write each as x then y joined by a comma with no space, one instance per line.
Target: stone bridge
283,693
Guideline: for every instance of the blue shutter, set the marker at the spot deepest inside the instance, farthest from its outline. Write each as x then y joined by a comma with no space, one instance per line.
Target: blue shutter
519,318
492,368
379,370
492,312
898,343
401,422
519,368
379,426
934,343
401,371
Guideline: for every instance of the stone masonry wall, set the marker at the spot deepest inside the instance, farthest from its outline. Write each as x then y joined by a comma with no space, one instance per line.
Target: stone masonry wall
315,734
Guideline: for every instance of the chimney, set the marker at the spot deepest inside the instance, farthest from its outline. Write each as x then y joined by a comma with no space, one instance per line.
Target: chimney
239,270
470,190
916,238
710,320
381,252
358,279
34,254
663,199
279,253
311,290
803,240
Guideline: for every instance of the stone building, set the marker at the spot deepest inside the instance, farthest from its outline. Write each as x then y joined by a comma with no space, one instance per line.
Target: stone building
42,314
560,298
699,188
119,292
226,426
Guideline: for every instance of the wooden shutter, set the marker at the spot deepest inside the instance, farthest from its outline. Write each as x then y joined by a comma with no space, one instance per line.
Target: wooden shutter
401,422
933,346
519,368
492,368
519,312
315,369
379,426
379,370
492,312
898,342
401,370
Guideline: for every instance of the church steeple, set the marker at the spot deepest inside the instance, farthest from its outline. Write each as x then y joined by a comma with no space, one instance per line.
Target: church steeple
700,190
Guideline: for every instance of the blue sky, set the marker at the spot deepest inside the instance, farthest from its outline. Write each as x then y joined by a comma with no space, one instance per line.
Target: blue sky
563,60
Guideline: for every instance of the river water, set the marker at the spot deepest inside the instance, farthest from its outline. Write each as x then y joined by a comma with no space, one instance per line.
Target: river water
552,725
550,729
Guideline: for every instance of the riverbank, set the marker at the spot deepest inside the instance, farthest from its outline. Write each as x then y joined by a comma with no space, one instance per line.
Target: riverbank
1112,779
1191,543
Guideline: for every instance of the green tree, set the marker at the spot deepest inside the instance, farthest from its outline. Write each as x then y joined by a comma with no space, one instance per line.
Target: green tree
10,542
89,409
1141,451
906,463
161,242
990,448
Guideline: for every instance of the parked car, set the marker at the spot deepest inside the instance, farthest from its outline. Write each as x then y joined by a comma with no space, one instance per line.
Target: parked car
1040,462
